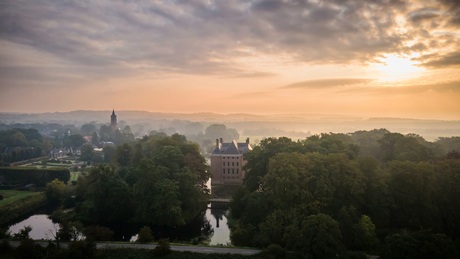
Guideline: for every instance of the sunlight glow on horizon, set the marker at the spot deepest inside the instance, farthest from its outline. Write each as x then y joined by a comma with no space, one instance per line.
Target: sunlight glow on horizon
393,67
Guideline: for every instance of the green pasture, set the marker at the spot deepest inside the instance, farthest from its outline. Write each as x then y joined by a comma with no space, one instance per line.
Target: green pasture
10,196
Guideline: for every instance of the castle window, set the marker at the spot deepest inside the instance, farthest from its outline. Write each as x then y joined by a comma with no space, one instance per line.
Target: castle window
237,171
233,171
237,163
233,163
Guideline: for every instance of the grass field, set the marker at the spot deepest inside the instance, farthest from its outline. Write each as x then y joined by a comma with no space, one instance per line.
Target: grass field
10,196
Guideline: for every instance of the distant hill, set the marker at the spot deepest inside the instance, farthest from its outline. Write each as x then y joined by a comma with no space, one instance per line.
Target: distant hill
277,124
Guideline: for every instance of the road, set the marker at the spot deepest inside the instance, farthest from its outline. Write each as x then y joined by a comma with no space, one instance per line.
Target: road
194,249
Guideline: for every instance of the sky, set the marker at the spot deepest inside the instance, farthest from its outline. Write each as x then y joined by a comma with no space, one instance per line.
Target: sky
382,58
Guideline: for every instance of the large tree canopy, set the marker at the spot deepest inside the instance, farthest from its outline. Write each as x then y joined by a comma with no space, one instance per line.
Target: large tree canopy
160,180
321,195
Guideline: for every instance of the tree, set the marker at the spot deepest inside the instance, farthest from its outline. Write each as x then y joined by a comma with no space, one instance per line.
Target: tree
145,235
158,199
95,139
365,233
107,198
74,141
88,129
23,234
124,155
87,153
421,244
318,236
56,191
411,187
98,233
109,152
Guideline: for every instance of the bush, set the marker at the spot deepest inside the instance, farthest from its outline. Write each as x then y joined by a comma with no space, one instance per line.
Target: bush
82,249
163,247
145,235
98,233
274,251
28,249
5,246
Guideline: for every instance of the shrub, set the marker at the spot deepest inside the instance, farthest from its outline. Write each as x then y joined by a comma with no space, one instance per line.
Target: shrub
163,247
98,233
145,235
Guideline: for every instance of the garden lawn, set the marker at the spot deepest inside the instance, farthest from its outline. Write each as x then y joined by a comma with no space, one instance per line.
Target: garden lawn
10,196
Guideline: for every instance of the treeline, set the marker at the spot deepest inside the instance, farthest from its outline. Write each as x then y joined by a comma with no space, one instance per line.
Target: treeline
376,191
20,144
157,181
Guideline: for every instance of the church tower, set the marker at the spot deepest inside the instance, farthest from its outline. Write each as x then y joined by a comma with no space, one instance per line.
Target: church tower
113,121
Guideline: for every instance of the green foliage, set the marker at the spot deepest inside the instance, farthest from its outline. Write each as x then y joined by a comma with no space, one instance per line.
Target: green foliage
87,153
74,141
23,234
163,248
39,177
98,233
56,191
21,207
317,236
421,244
145,235
81,249
107,198
21,144
161,181
400,182
69,231
28,249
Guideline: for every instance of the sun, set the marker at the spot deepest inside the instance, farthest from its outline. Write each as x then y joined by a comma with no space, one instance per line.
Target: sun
392,68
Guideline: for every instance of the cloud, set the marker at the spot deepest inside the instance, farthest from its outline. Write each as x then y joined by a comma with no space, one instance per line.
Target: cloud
449,86
108,39
328,83
438,61
423,14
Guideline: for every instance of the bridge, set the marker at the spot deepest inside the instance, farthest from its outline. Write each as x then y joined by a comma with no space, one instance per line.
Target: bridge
219,203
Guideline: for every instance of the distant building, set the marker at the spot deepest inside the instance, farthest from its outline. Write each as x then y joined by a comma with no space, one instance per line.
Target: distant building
113,120
227,162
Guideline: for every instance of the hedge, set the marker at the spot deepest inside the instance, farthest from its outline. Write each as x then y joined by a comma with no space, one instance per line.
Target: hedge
39,177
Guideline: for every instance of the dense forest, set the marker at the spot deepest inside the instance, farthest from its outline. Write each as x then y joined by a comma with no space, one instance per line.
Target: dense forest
376,191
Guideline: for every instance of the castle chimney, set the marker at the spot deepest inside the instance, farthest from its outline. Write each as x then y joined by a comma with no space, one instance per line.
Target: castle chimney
217,143
221,140
247,141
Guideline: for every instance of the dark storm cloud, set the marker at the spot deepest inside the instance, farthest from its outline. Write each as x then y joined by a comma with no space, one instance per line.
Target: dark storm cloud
124,38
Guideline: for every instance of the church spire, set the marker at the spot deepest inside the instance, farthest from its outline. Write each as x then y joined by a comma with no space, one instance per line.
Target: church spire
113,120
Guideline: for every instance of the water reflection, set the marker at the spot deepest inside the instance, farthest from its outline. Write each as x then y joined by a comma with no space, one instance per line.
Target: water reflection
218,220
42,227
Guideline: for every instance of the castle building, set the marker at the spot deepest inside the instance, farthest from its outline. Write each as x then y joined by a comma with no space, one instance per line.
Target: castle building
113,121
227,162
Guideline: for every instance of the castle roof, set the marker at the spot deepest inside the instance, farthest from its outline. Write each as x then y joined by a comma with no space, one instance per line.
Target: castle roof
232,148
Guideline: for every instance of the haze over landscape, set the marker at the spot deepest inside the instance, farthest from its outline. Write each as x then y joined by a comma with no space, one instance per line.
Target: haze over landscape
359,58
